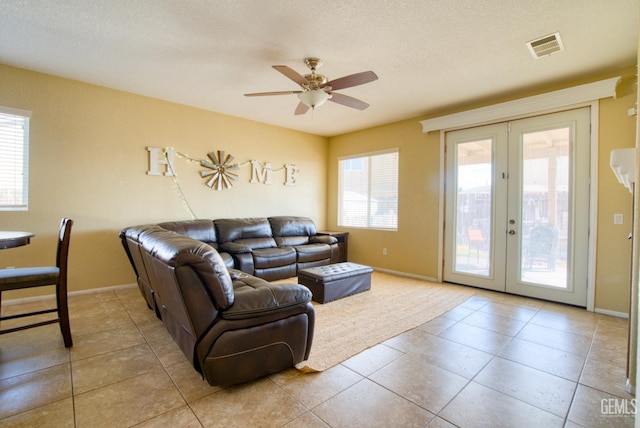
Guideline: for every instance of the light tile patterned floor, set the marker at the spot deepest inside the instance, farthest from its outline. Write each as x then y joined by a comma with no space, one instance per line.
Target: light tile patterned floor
495,360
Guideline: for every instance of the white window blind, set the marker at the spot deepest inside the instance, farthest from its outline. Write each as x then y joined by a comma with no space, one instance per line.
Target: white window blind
368,191
14,159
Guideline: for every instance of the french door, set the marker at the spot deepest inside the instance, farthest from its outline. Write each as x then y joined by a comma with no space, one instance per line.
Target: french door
517,206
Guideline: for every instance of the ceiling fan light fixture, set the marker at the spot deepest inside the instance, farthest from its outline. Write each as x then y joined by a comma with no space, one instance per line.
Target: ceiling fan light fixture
313,98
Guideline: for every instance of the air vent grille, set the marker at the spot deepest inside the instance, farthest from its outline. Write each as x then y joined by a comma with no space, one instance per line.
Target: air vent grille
545,46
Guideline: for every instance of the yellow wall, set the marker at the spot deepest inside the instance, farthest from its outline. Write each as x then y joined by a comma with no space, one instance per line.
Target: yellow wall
413,249
88,161
613,267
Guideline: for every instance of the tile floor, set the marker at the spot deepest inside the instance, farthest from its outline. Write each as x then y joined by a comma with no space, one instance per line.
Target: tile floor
495,360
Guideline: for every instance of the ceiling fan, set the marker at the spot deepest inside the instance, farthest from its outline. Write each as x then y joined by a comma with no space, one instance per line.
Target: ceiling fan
316,88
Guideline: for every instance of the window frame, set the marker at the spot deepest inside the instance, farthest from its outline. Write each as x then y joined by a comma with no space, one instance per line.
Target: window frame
370,217
25,116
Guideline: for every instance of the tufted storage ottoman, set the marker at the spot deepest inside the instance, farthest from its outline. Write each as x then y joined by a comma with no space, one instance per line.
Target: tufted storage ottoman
332,282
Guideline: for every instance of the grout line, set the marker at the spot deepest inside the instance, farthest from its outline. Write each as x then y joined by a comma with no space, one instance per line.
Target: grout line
496,355
164,368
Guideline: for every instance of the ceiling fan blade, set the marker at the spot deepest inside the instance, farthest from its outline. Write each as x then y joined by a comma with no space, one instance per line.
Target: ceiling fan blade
352,80
302,108
262,94
292,74
348,101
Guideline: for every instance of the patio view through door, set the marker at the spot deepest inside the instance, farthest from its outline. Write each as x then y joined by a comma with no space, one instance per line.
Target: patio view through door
517,206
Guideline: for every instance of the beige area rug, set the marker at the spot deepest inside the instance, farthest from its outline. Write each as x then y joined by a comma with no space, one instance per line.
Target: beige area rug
394,305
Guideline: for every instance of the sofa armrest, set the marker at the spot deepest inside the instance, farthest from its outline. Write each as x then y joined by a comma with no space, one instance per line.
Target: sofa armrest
234,248
323,239
244,262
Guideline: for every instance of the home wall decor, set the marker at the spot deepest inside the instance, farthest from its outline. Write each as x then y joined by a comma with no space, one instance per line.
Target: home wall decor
220,170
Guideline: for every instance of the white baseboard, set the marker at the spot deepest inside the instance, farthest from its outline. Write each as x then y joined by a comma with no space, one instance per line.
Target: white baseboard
612,313
71,293
406,275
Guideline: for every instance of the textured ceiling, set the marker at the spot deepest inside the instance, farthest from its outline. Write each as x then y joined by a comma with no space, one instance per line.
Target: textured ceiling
428,54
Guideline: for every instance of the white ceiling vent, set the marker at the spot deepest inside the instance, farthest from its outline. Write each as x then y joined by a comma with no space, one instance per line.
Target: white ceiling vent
545,46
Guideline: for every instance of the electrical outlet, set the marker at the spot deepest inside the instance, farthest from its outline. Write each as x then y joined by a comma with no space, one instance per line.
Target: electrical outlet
617,219
384,251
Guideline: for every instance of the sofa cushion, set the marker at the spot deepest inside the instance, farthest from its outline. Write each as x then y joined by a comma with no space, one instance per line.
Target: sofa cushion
200,230
273,257
291,241
292,226
233,229
313,252
255,297
256,243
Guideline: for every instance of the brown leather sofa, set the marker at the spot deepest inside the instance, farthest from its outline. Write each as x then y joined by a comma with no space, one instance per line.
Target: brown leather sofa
275,247
269,248
233,327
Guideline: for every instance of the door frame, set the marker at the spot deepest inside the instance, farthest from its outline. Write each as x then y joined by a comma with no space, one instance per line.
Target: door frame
502,116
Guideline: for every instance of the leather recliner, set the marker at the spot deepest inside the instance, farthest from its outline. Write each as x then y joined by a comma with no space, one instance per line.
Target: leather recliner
275,247
300,233
233,327
201,230
254,249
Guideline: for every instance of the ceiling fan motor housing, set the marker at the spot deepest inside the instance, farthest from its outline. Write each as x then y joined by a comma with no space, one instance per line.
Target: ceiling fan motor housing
315,80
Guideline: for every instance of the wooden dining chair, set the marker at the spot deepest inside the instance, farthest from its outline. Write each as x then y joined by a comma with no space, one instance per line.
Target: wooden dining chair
28,277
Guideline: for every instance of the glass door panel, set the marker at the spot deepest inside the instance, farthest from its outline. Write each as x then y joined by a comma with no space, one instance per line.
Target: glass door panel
545,207
548,207
474,201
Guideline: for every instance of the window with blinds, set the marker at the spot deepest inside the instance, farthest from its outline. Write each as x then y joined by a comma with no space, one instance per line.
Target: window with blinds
14,159
368,191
